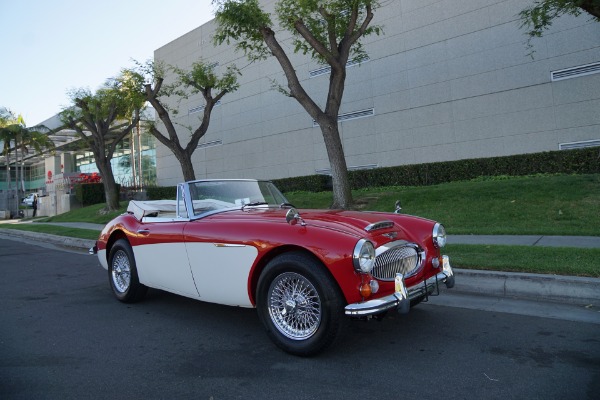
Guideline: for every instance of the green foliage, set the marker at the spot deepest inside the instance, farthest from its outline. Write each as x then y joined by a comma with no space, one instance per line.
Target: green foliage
533,205
318,27
241,21
329,22
529,259
201,78
54,230
579,161
309,183
539,16
91,193
95,214
161,192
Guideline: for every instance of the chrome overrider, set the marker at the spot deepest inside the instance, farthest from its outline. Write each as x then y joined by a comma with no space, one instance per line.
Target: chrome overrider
402,296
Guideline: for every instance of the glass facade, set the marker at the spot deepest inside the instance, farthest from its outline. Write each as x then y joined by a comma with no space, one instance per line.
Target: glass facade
131,167
32,175
134,165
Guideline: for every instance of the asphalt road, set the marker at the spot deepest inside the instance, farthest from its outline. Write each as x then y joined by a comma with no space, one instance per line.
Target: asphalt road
63,336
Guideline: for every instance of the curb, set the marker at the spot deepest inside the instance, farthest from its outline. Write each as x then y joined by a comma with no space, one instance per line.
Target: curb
555,288
83,244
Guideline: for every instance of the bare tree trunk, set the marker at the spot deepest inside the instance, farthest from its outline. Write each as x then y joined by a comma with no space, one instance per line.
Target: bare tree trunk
8,181
110,187
342,195
187,168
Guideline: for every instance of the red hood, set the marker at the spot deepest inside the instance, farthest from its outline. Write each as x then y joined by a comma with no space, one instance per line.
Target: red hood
350,222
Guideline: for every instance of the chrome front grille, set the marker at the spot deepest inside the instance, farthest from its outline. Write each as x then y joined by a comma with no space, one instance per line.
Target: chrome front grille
404,258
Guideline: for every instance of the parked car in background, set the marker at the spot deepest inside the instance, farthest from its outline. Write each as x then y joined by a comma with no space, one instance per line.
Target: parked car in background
28,200
240,243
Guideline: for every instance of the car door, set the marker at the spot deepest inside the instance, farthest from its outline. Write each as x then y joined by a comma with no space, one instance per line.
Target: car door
220,267
161,257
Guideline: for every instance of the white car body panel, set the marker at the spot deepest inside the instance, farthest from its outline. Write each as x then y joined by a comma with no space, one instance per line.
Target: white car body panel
165,266
221,271
102,259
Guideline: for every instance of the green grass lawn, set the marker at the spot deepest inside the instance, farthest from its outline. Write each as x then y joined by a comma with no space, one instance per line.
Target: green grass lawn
544,205
540,260
538,205
54,230
91,214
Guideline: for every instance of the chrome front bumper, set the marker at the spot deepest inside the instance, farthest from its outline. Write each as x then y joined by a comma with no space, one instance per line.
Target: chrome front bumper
402,296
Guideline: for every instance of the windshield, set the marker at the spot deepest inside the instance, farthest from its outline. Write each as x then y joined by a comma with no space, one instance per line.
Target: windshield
210,196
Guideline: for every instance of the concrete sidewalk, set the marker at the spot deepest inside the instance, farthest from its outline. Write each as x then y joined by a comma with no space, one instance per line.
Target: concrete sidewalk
584,242
539,287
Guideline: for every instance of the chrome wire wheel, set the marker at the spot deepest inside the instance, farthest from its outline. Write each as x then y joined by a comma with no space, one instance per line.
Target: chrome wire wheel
294,306
121,271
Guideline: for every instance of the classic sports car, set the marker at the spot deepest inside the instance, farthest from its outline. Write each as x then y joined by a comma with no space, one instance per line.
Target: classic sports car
240,243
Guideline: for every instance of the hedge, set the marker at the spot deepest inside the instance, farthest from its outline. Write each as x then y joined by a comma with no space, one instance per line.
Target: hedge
91,193
161,192
578,161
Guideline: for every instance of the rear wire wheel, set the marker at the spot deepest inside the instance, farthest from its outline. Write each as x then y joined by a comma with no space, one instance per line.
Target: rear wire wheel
122,273
299,304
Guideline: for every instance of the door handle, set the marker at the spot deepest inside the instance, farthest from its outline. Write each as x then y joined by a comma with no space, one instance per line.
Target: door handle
143,231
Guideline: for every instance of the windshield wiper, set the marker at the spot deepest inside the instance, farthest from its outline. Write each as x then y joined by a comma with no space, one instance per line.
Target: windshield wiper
254,204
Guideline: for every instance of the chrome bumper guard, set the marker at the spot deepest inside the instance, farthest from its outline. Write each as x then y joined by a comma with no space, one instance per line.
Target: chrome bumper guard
93,250
403,295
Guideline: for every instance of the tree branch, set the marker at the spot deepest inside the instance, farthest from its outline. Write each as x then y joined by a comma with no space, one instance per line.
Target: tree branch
296,89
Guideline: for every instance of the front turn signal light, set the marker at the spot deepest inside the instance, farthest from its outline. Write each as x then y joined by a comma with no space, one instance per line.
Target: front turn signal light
365,290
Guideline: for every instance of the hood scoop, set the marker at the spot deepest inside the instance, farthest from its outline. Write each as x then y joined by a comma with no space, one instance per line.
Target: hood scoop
379,225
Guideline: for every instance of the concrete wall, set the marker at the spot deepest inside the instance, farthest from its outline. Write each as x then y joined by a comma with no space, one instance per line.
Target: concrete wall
448,79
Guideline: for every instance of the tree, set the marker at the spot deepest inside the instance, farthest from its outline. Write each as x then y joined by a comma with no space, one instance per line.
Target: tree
26,138
15,129
7,136
330,31
102,120
538,17
201,78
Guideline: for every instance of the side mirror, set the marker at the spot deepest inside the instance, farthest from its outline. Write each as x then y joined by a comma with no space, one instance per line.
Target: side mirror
398,207
293,216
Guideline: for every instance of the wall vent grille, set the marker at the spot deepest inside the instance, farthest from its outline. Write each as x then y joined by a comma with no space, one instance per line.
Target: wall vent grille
201,108
327,171
326,70
353,115
575,72
212,143
579,145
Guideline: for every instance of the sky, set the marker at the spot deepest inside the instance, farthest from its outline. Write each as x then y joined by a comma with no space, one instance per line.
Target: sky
51,46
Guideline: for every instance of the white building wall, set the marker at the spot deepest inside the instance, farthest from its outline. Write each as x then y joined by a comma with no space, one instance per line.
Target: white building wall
448,79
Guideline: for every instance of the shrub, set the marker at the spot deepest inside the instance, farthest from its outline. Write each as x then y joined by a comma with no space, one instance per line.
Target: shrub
91,193
579,161
161,192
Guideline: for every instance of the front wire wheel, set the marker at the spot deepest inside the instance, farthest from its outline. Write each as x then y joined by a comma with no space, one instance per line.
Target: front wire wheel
300,304
294,306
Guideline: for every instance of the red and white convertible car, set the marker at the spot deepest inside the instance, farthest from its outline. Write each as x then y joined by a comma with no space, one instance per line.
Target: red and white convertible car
240,243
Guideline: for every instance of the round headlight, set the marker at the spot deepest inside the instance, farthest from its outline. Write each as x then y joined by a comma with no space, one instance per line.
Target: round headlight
364,256
439,235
